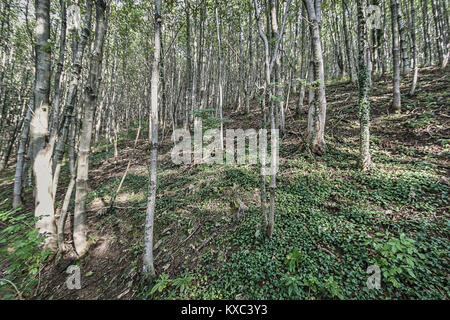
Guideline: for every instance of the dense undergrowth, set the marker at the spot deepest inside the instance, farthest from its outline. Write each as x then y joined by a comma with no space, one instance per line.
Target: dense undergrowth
332,221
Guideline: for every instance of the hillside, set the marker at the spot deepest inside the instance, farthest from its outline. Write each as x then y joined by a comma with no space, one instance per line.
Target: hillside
332,220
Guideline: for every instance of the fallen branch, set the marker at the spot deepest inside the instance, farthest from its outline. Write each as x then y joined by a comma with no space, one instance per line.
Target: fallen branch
19,294
207,241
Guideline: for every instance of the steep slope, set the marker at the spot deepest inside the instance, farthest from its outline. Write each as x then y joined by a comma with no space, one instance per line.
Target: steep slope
332,221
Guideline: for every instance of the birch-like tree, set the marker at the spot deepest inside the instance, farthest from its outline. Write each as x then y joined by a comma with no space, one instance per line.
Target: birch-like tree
41,146
364,87
149,268
90,99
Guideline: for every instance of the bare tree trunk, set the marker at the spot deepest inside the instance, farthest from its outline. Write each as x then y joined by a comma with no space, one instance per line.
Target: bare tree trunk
317,113
41,147
269,61
220,85
91,92
438,36
249,69
426,35
20,164
72,167
59,69
364,102
395,56
414,47
188,98
348,47
77,63
149,268
403,45
303,66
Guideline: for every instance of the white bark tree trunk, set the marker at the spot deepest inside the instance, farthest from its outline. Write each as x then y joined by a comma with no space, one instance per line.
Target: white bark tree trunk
91,92
318,107
41,147
149,269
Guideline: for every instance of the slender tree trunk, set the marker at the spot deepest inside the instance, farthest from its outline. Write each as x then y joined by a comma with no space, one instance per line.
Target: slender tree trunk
304,66
269,61
20,164
72,167
364,102
348,47
77,63
220,85
91,93
250,68
414,47
149,268
438,36
59,69
395,56
188,98
403,44
318,107
426,35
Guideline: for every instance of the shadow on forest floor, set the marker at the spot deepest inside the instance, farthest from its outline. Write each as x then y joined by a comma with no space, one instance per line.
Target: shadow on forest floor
332,221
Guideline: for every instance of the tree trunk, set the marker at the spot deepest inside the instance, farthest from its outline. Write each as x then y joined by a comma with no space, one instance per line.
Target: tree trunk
426,35
149,268
188,97
72,167
395,56
364,102
59,69
77,63
220,84
317,110
41,147
348,47
414,47
403,45
90,93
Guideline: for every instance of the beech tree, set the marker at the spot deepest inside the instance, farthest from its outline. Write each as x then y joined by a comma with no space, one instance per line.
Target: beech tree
396,104
363,82
41,146
90,99
149,268
73,83
318,107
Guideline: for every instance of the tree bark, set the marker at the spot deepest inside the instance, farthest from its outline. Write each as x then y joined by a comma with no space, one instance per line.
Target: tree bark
149,269
41,147
318,107
77,63
403,44
90,98
395,57
364,102
414,47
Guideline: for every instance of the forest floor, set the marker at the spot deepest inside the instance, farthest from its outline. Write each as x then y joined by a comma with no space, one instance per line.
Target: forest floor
332,221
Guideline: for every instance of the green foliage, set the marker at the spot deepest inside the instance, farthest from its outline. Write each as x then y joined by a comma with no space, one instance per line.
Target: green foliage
327,225
294,259
183,283
397,257
292,284
173,287
160,284
20,245
422,121
209,120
